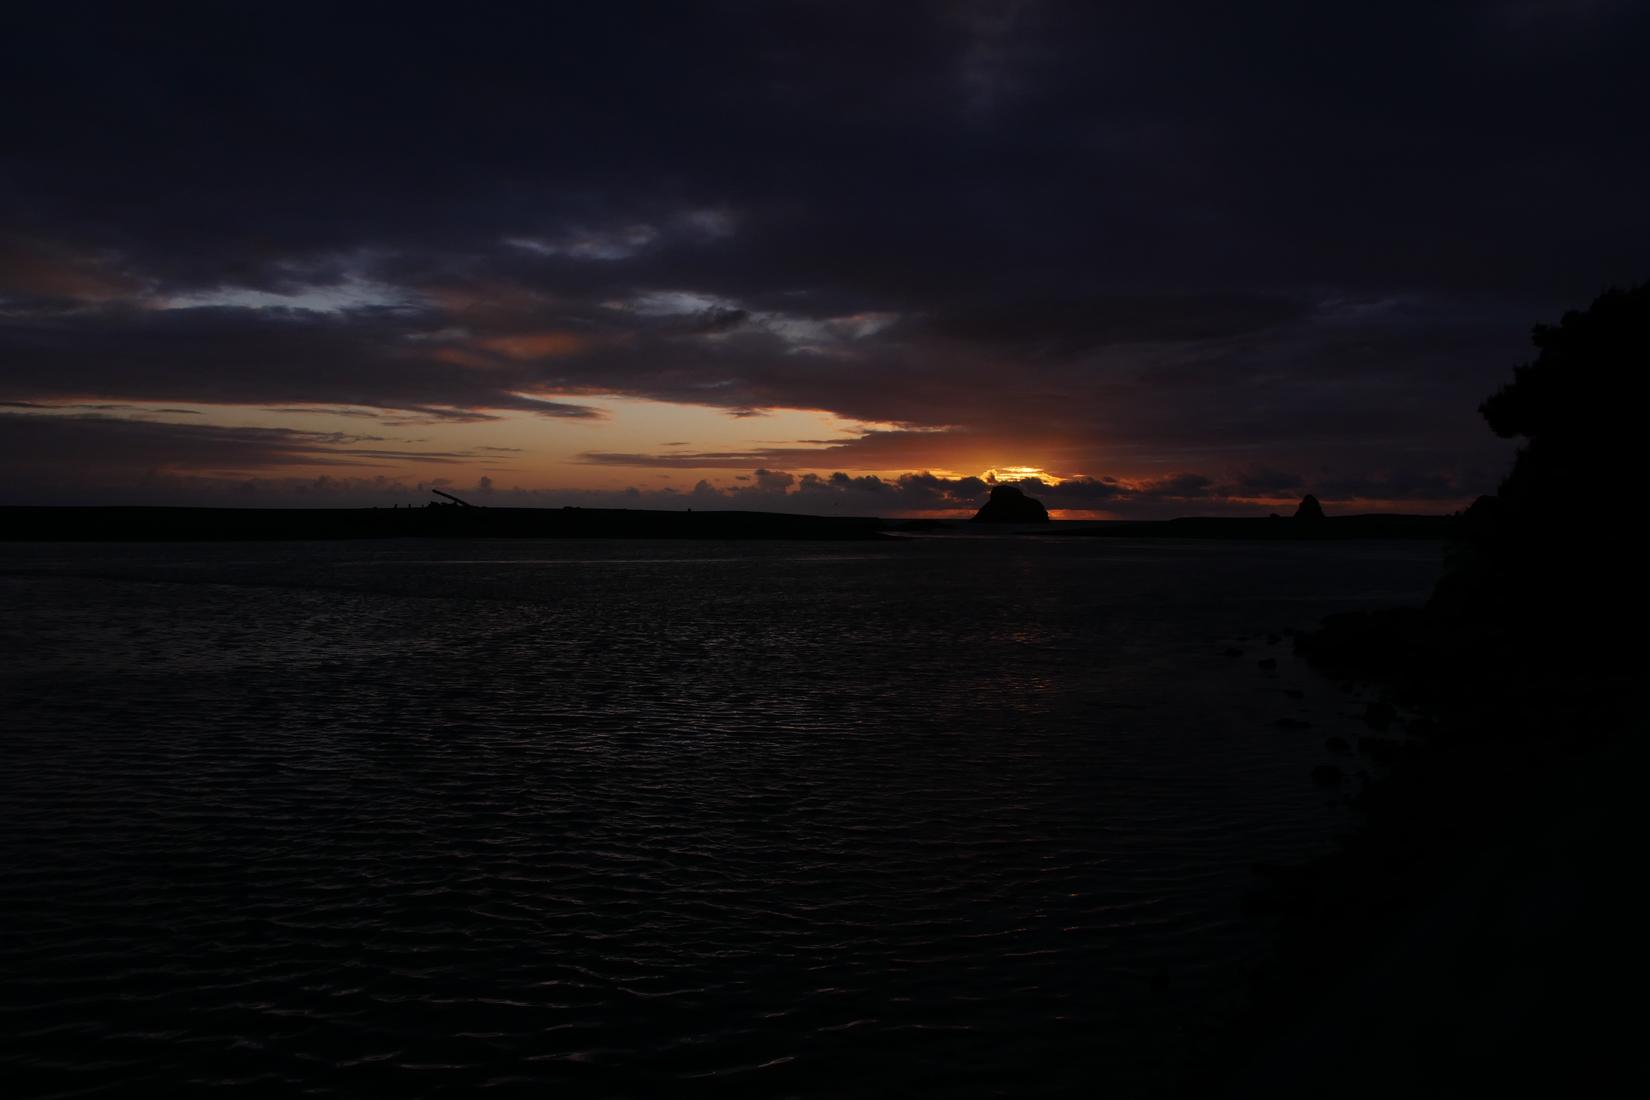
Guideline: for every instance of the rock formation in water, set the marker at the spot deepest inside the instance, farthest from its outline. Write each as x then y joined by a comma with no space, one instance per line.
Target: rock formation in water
1009,505
1309,508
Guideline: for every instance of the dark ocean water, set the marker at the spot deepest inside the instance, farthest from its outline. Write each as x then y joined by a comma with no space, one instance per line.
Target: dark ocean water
971,816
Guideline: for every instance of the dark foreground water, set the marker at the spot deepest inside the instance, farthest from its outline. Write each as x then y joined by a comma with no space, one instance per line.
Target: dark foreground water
615,818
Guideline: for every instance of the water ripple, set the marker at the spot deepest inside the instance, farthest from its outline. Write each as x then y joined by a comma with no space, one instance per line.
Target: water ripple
394,820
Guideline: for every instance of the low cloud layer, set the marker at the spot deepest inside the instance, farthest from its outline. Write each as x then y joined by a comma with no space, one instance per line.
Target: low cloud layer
121,461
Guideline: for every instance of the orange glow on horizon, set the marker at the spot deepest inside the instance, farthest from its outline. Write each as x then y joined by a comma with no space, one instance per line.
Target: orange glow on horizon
1021,473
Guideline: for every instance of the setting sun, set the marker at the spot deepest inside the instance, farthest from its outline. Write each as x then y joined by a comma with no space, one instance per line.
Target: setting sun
1020,473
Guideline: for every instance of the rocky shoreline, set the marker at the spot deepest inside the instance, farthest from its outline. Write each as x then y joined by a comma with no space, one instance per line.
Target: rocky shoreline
1461,937
1474,935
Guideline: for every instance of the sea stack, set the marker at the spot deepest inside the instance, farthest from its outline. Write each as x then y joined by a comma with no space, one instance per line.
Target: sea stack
1309,508
1009,505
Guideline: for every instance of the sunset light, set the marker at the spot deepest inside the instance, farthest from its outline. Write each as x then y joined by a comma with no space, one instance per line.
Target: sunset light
1020,473
804,550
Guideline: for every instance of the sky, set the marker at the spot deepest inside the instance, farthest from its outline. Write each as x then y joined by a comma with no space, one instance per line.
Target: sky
1145,259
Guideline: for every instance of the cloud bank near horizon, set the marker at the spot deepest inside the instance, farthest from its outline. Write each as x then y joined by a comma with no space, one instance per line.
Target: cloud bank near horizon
125,444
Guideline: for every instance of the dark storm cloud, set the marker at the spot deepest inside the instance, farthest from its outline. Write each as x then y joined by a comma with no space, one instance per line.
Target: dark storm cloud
1135,149
776,481
1203,236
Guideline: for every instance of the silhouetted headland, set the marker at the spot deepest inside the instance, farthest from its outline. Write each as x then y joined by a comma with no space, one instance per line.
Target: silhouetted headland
32,523
118,524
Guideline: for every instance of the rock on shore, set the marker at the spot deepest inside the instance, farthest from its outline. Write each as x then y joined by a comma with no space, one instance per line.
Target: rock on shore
1008,504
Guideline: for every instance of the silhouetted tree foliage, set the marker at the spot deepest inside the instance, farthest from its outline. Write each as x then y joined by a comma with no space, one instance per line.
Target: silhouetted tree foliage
1574,404
1521,652
1556,537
